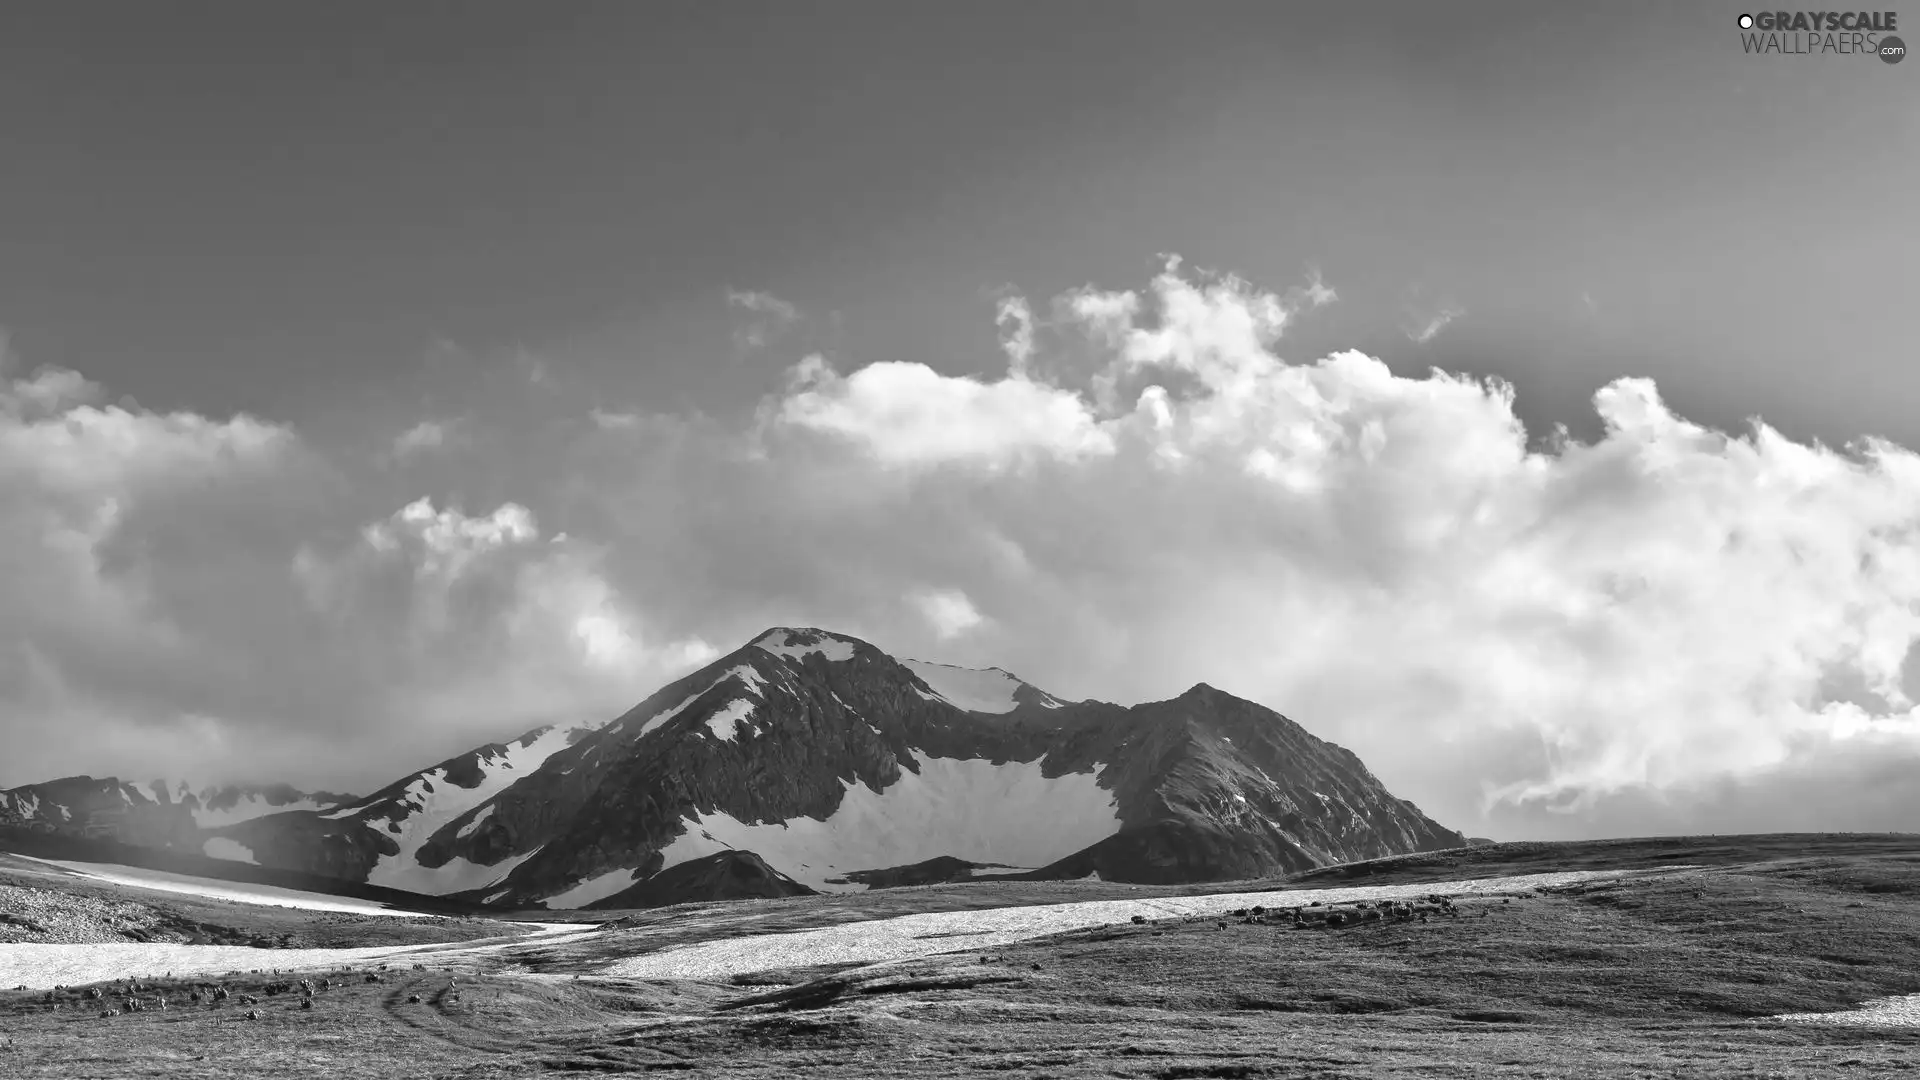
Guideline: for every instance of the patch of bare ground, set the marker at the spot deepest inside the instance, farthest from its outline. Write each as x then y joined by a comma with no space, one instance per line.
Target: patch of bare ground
1671,974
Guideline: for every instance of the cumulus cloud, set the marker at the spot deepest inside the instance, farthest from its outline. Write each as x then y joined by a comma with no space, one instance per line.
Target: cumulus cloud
1649,632
908,414
458,620
97,507
186,594
1663,610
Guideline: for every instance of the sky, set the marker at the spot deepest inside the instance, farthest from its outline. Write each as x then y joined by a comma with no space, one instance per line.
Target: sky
1519,395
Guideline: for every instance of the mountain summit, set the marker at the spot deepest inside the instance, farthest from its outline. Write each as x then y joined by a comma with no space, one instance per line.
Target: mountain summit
809,761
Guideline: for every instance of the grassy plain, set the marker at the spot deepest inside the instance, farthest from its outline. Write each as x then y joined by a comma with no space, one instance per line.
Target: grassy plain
1670,974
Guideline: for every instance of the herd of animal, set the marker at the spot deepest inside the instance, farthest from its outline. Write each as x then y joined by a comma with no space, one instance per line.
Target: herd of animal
1316,915
134,996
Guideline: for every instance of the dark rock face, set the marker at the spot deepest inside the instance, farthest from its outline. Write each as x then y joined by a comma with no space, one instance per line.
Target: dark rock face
726,875
311,844
937,871
1206,786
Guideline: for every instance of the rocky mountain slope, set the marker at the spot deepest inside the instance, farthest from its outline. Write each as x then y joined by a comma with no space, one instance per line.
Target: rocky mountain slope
158,814
808,761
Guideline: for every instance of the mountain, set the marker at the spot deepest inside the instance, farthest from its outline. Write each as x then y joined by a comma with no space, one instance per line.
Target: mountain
389,837
808,761
155,814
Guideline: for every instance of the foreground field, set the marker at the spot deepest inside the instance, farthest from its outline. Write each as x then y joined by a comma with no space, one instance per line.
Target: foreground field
1673,972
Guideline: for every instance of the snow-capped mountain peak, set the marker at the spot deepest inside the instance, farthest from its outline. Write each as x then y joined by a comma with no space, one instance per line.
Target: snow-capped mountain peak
797,643
810,761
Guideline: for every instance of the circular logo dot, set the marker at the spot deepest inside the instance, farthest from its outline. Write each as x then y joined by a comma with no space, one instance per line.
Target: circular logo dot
1746,22
1892,50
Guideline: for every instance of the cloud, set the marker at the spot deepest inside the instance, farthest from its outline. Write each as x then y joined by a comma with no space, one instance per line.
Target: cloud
1663,610
421,437
186,594
762,303
453,618
947,611
767,316
609,420
1016,322
1316,293
109,517
906,414
1424,327
1648,632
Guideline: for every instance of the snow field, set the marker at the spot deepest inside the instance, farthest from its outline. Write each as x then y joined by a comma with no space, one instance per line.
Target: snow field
242,892
220,847
971,809
909,937
42,967
973,689
1886,1012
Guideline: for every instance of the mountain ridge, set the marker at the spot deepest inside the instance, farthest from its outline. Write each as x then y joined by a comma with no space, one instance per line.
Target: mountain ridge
807,760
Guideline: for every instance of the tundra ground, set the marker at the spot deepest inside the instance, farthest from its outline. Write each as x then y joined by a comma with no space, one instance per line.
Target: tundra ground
1671,973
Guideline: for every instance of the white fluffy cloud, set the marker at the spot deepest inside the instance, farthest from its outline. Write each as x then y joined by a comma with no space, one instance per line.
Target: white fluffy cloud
1665,610
909,414
947,611
185,594
91,500
479,624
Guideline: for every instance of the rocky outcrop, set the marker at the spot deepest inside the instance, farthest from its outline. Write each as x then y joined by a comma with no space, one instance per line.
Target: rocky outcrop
726,875
944,870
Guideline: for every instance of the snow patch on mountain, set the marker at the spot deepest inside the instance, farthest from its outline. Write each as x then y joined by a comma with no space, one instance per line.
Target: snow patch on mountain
458,874
220,847
796,644
598,887
430,802
753,680
141,877
988,690
969,808
665,715
723,723
467,830
248,807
